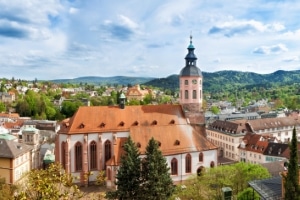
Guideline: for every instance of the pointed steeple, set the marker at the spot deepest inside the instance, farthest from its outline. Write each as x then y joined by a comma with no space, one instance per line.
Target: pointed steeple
190,58
190,68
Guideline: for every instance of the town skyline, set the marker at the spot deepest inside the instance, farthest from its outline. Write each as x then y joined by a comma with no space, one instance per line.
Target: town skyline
72,38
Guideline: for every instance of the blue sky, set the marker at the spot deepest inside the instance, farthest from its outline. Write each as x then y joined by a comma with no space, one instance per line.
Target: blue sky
55,39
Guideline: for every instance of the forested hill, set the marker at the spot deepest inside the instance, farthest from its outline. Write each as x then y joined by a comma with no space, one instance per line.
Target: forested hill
220,80
215,81
96,80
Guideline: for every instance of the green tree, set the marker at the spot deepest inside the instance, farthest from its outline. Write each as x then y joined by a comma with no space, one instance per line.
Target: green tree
6,190
129,174
52,183
291,183
235,176
2,107
157,183
70,107
215,110
248,194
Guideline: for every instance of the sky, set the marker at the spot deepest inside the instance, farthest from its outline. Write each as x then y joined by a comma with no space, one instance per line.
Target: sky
55,39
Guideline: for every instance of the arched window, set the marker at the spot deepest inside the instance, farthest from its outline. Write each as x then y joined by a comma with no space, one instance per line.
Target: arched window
63,155
194,94
201,157
93,155
188,163
107,145
186,94
78,156
174,168
200,94
200,171
108,174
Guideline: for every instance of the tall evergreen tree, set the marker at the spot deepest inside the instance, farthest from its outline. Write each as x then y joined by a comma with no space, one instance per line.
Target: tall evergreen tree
157,183
291,186
128,179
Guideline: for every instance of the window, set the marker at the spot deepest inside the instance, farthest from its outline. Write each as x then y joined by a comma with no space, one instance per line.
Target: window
78,156
188,163
63,155
194,94
93,155
186,94
174,166
186,82
107,150
212,164
201,157
200,94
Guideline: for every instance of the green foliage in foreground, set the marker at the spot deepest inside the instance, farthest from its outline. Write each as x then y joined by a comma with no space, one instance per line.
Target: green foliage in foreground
151,181
210,184
291,184
6,190
52,184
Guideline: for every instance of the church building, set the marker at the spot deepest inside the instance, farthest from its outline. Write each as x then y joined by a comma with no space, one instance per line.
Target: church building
92,139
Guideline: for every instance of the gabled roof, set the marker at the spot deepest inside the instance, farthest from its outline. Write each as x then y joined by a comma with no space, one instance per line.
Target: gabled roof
276,149
11,149
259,124
232,127
254,143
173,139
99,119
11,125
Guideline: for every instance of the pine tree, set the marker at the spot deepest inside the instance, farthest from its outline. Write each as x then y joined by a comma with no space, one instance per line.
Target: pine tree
157,183
128,179
291,185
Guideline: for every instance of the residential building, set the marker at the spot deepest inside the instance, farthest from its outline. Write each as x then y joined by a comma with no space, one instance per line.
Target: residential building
136,93
31,137
258,149
15,160
227,135
7,97
92,139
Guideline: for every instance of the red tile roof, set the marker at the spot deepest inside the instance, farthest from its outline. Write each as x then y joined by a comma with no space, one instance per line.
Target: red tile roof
174,139
97,119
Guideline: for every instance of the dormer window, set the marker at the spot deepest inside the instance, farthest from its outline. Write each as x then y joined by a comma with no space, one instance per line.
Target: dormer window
102,125
121,123
154,122
136,123
81,125
159,143
177,142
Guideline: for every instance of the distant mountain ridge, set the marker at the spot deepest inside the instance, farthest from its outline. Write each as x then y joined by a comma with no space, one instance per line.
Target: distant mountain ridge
212,81
97,80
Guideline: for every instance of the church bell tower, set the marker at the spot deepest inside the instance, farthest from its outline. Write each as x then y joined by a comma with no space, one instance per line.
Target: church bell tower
190,80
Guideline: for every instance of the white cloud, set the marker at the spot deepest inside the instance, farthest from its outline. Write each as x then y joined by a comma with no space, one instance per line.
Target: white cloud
274,49
238,27
73,10
291,59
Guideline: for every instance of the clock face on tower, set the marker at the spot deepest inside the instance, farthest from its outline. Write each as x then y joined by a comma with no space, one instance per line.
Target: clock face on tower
194,81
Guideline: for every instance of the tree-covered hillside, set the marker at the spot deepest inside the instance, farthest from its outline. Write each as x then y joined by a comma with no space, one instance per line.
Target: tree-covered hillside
218,81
